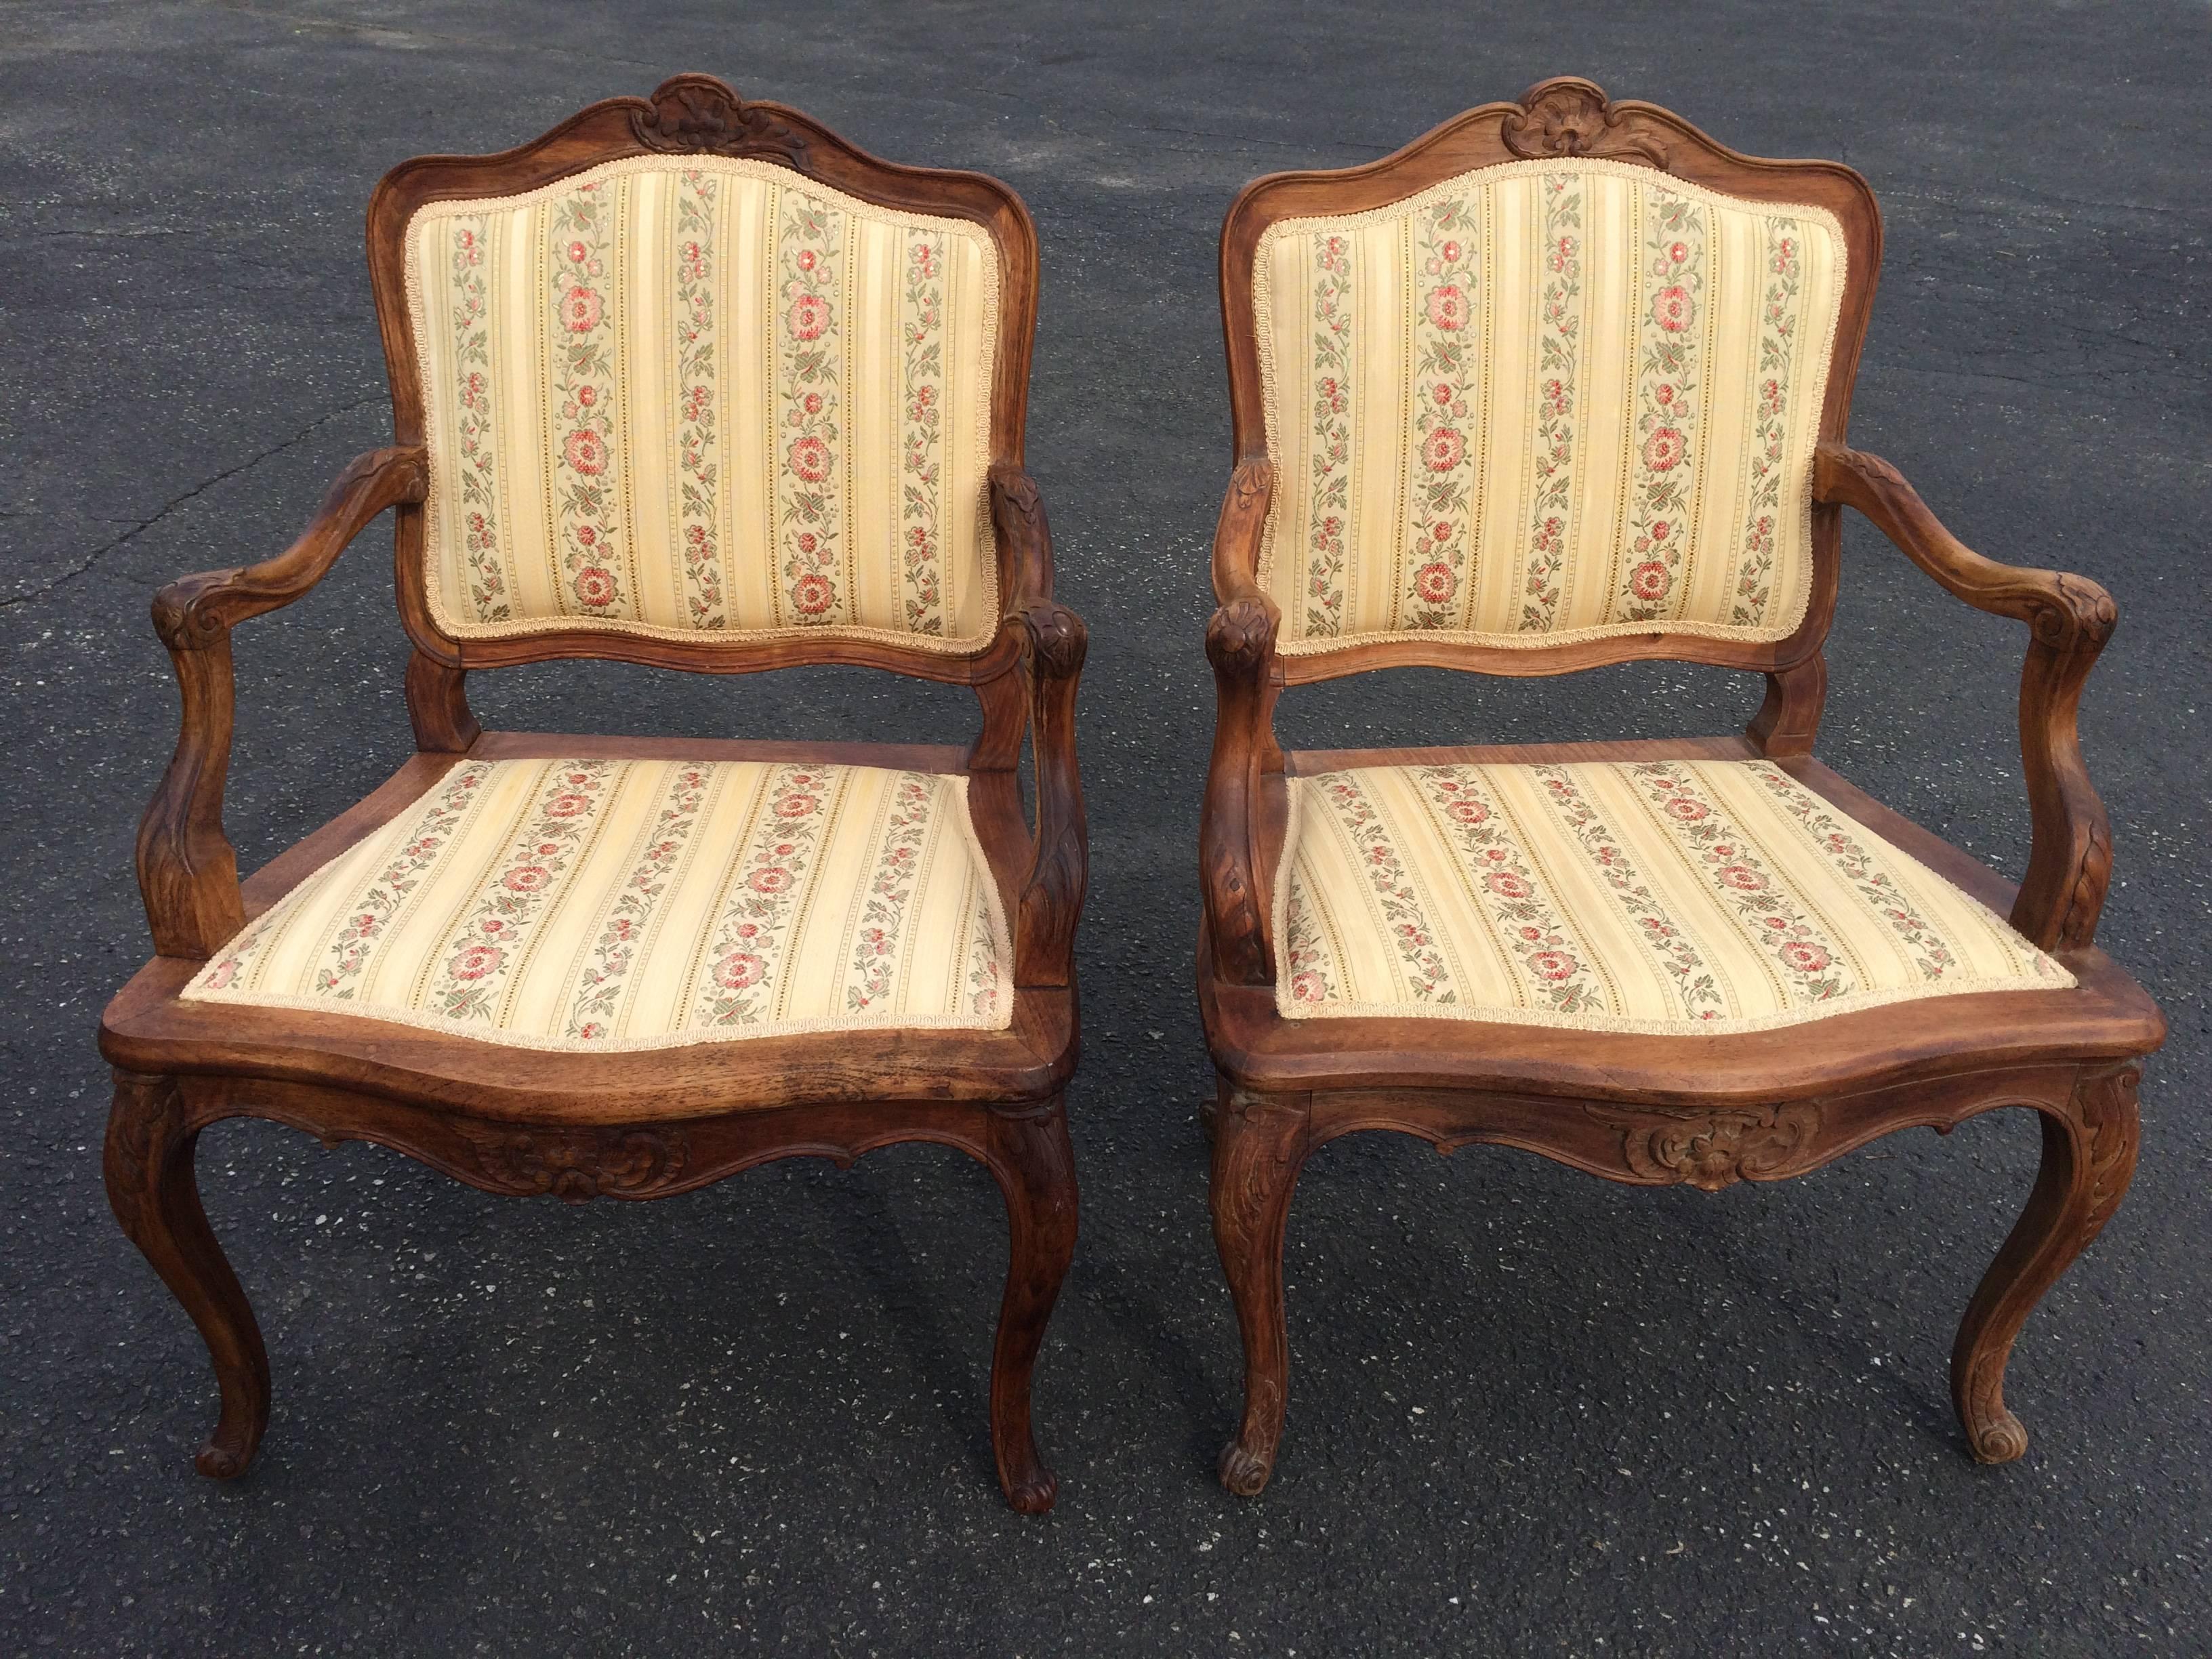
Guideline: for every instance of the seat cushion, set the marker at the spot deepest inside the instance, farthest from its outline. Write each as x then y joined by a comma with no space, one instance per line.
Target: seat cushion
610,904
1654,897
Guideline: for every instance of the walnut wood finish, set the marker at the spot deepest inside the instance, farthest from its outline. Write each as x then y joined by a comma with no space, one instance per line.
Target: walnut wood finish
640,1124
1649,1111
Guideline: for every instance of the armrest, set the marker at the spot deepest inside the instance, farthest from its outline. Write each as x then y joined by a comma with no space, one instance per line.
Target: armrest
187,871
1054,644
1240,643
2069,619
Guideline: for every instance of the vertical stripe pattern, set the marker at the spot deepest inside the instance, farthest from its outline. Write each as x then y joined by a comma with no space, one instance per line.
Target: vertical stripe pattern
706,395
1546,401
1635,897
616,904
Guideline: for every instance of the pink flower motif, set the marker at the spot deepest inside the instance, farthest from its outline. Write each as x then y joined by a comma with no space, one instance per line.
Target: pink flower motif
1806,959
1650,580
1443,449
1308,987
595,586
580,310
1743,878
477,961
1688,811
769,879
529,878
810,316
1448,308
1506,884
1469,811
568,806
1672,309
586,451
1664,449
796,806
812,593
810,460
1552,964
739,969
1435,582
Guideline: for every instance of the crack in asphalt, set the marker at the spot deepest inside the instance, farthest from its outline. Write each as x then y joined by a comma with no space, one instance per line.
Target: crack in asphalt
143,526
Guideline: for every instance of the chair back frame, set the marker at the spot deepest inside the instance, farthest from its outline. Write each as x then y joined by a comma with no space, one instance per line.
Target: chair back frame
1565,118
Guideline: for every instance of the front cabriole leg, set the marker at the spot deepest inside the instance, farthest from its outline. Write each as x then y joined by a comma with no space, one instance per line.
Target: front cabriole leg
155,1196
1027,1150
2089,1158
1259,1144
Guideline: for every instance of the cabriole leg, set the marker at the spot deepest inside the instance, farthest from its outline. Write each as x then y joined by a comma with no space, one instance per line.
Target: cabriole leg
155,1194
1035,1165
1258,1146
2089,1158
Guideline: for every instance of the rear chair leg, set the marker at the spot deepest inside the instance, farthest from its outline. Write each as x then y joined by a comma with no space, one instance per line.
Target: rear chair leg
1259,1144
1030,1155
2089,1158
152,1189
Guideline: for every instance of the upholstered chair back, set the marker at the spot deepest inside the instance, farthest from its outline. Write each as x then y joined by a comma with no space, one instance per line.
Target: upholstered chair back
1545,401
699,395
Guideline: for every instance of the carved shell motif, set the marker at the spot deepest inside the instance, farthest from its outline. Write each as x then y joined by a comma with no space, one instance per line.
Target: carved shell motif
1713,1148
699,113
577,1164
1573,117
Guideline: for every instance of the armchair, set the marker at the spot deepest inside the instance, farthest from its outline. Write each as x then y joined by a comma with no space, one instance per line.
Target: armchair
1565,382
692,382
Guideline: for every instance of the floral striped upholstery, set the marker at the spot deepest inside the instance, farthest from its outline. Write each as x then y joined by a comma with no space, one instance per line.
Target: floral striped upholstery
668,397
618,904
1654,897
1545,401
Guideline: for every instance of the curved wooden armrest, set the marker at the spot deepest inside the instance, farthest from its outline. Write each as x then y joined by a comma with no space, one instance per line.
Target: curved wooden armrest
1054,644
2069,619
187,871
1240,643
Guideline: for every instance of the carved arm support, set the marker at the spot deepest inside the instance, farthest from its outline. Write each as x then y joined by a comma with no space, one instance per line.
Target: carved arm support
187,872
1054,643
1240,643
2068,618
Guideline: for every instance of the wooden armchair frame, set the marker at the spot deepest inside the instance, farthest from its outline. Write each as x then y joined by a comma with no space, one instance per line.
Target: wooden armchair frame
631,1125
1656,1110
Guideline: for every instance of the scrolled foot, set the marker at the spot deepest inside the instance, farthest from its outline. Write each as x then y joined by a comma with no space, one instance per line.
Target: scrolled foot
1244,1472
1034,1494
2000,1440
218,1461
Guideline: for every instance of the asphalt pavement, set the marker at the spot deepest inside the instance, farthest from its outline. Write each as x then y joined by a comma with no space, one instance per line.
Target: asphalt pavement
1531,1413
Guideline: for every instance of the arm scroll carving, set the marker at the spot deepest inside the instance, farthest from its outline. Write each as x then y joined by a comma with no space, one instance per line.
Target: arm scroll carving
2068,618
1240,643
187,872
1054,644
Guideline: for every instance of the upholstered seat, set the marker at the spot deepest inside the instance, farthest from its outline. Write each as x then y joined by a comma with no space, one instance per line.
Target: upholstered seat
1653,895
605,904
